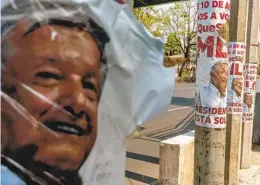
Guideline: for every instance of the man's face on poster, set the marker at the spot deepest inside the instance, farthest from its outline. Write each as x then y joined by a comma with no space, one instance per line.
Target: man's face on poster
54,73
219,77
237,85
248,99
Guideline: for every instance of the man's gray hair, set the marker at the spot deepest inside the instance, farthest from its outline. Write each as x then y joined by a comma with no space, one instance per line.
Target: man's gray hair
50,12
237,78
219,62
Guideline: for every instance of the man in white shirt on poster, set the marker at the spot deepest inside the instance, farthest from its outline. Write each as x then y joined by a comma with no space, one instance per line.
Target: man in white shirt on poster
248,102
234,93
214,94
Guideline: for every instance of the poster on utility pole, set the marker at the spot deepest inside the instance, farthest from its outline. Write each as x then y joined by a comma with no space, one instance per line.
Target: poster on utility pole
236,59
250,71
212,63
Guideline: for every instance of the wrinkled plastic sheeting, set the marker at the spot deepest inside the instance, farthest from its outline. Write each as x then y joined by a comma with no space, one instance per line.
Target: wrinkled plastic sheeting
77,78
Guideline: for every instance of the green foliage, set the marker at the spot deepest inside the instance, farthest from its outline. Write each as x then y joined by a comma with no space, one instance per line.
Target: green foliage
176,24
258,70
185,73
149,17
181,20
172,46
180,26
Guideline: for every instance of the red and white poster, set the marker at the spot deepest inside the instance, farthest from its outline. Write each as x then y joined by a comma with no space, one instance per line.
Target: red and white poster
212,63
250,71
236,59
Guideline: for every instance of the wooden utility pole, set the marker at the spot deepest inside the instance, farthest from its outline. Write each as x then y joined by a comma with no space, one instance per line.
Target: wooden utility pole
210,99
251,58
237,33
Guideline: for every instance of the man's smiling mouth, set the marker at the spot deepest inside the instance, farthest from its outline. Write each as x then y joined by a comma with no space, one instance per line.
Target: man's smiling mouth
64,127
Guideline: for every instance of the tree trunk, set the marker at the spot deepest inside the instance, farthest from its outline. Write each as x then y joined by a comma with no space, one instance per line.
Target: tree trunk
187,59
181,70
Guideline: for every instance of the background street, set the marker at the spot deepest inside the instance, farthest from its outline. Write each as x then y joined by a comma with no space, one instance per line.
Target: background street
142,164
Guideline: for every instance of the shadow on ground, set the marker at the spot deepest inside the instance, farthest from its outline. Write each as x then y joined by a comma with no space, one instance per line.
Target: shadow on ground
181,101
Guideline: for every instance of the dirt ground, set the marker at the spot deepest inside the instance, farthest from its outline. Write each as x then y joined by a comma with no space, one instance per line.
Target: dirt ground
251,176
255,155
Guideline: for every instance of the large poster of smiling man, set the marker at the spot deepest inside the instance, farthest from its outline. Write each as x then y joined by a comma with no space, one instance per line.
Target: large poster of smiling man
52,68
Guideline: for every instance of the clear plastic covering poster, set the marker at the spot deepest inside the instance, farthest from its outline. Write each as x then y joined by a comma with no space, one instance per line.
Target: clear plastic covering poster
77,77
250,71
235,77
212,64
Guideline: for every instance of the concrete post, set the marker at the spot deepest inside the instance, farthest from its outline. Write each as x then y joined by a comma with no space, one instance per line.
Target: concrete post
251,57
177,160
237,33
210,99
256,128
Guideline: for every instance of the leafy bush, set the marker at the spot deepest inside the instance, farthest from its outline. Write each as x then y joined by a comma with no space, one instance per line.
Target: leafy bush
185,73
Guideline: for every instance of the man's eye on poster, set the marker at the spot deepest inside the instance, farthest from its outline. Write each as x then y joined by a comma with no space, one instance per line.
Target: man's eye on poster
61,125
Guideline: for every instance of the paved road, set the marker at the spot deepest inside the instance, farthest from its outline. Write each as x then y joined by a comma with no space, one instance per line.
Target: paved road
143,149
